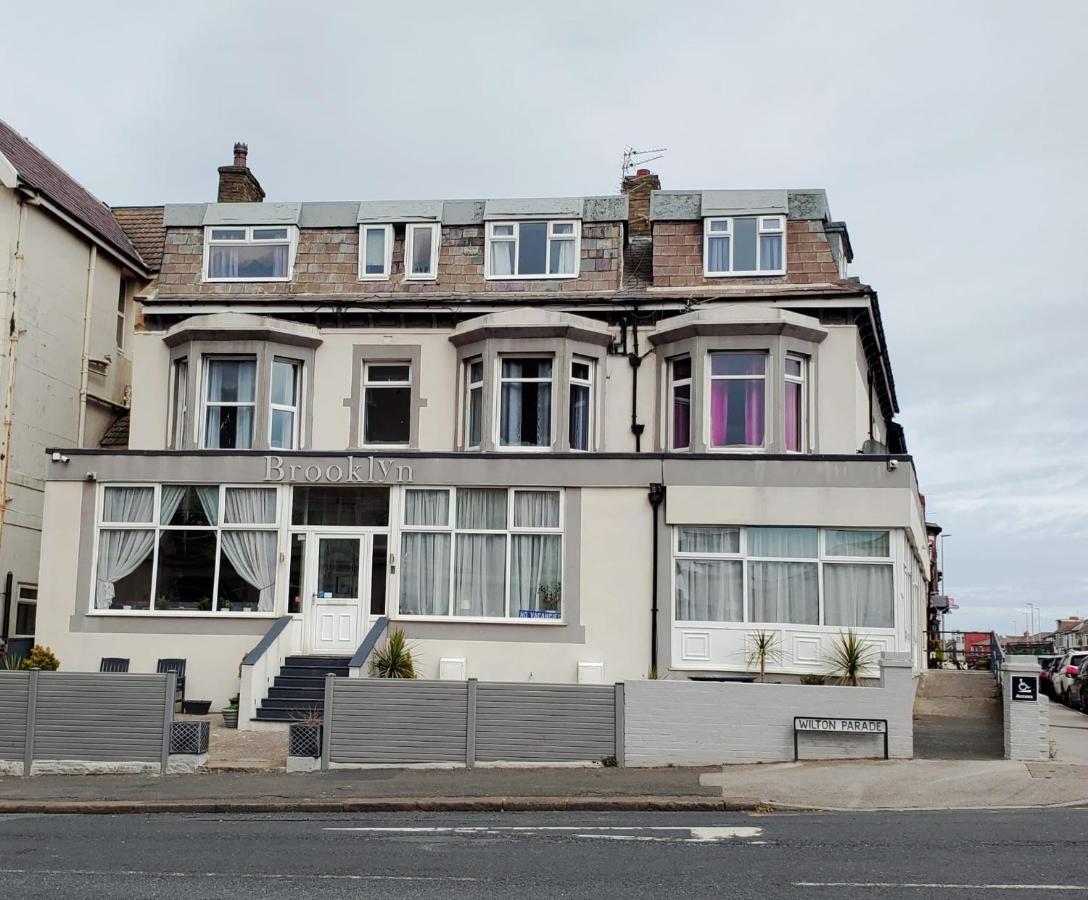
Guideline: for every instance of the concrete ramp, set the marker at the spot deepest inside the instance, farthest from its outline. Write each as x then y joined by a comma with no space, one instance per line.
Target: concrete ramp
957,715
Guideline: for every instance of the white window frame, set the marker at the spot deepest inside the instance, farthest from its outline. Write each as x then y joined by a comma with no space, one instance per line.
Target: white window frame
509,531
802,380
496,431
765,225
279,526
589,383
768,404
387,261
209,241
516,239
673,383
122,313
367,384
296,410
179,401
20,600
409,250
205,384
471,387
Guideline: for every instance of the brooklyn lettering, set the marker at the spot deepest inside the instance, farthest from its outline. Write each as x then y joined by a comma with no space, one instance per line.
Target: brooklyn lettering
368,470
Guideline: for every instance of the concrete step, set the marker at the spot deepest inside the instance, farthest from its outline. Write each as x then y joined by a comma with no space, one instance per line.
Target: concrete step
280,714
951,683
957,707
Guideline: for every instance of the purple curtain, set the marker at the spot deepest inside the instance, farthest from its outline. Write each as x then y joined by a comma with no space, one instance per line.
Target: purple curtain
750,393
681,417
793,416
719,412
753,414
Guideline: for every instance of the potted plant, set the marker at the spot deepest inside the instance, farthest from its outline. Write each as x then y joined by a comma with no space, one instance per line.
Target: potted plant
549,595
850,654
196,707
42,658
230,714
765,649
394,658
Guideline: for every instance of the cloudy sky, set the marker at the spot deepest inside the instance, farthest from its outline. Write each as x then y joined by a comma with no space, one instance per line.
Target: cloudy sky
951,137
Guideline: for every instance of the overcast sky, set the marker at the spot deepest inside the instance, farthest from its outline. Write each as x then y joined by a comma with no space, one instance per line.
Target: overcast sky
951,137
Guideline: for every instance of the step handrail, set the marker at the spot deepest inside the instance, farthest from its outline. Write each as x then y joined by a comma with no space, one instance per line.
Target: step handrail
274,632
358,660
260,667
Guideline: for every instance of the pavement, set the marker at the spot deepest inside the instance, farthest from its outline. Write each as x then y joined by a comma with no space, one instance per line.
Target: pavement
813,856
232,749
1068,735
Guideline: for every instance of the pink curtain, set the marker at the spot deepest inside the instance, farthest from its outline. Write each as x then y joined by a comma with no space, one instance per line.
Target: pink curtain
750,393
793,416
753,414
719,412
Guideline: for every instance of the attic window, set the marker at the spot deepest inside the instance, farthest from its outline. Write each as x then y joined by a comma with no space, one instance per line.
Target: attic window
248,253
748,245
532,249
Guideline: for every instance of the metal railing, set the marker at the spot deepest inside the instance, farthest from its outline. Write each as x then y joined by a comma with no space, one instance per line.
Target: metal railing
965,650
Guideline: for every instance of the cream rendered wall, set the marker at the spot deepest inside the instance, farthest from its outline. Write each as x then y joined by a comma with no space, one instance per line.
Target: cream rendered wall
840,409
150,391
110,386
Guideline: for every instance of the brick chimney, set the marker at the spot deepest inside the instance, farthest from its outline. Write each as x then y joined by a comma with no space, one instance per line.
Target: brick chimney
637,187
236,183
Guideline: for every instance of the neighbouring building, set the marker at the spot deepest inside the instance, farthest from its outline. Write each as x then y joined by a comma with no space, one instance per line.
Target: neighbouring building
555,440
68,274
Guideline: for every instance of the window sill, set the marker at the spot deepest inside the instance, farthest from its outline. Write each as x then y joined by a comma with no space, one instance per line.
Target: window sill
759,274
777,626
737,449
385,277
421,277
507,448
180,614
568,276
244,280
475,620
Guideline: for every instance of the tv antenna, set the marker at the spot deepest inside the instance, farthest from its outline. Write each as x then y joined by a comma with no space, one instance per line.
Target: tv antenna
633,158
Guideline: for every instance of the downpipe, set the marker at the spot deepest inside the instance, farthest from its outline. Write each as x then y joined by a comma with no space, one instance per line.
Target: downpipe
656,497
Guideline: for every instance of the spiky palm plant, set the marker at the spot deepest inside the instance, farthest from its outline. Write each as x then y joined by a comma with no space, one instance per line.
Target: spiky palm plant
394,658
849,655
765,649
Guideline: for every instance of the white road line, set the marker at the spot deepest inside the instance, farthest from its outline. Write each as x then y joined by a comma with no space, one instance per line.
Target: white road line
259,876
697,834
933,886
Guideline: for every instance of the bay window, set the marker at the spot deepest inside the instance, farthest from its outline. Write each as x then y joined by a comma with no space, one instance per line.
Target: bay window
248,253
748,245
284,418
581,404
375,251
536,249
486,553
791,575
794,403
229,402
525,401
186,548
421,251
737,392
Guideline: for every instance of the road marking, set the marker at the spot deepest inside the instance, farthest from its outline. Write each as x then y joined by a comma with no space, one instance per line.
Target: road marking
697,834
260,876
934,886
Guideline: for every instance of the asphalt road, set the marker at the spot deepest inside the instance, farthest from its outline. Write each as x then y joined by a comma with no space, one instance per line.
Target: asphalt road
1009,854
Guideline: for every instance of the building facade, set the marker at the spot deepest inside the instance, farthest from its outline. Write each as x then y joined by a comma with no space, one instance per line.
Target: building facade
562,439
68,274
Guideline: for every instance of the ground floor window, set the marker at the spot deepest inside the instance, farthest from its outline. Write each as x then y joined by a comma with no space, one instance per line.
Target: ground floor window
26,610
186,548
801,576
492,553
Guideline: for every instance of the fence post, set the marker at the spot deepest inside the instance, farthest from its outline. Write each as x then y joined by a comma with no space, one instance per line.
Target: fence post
168,720
470,735
31,718
619,723
326,721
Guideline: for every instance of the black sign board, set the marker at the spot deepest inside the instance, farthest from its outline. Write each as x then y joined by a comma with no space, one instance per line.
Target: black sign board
1025,687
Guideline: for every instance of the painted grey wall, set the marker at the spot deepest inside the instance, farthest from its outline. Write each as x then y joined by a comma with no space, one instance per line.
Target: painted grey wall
714,723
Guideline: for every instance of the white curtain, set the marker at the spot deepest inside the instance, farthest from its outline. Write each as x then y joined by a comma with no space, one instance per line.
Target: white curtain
170,499
121,551
426,507
128,504
579,417
700,539
515,397
479,577
534,564
252,553
857,543
784,542
481,508
784,592
425,574
209,502
502,258
770,251
858,596
718,248
562,261
223,262
536,509
250,506
709,590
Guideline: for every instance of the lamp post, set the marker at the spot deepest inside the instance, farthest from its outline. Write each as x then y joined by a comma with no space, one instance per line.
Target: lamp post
944,574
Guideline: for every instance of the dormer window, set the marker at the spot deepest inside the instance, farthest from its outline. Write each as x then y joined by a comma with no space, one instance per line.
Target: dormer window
748,245
421,252
533,249
375,252
249,253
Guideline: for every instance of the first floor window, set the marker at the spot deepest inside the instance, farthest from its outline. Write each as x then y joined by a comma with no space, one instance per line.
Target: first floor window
749,245
191,548
794,401
481,553
525,402
251,253
375,251
680,403
387,403
581,403
737,390
421,251
283,421
229,402
474,402
26,610
800,576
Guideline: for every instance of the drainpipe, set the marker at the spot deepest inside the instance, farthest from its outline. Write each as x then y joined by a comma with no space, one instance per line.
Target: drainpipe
85,364
635,360
5,630
656,496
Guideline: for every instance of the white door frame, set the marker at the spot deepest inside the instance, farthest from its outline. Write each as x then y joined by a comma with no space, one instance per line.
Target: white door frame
312,606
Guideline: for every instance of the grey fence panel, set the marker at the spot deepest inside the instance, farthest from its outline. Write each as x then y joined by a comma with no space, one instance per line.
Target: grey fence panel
545,722
100,717
376,721
14,689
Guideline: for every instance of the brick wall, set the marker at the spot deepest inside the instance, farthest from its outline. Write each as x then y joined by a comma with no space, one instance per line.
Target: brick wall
1027,723
327,262
678,256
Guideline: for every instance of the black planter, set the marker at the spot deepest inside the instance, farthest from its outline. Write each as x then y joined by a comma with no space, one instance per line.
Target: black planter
230,718
304,740
196,707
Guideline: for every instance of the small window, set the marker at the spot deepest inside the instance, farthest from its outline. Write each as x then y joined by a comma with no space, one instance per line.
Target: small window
421,251
180,401
387,403
737,393
26,610
581,403
525,405
375,251
795,401
248,254
474,402
230,399
533,249
284,417
680,403
752,245
122,313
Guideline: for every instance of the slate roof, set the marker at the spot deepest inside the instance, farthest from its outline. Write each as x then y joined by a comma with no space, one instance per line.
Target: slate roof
117,433
39,172
144,226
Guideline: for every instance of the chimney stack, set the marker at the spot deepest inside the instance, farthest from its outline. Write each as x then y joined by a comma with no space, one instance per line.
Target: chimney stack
637,187
236,183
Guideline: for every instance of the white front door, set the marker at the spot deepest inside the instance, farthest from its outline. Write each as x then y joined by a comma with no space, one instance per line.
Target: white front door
338,592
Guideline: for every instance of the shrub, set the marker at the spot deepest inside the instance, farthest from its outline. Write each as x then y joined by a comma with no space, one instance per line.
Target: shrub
849,656
765,649
809,678
394,659
41,658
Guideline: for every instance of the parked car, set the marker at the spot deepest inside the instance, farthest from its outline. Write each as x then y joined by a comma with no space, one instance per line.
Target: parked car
1047,665
1067,670
1078,690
